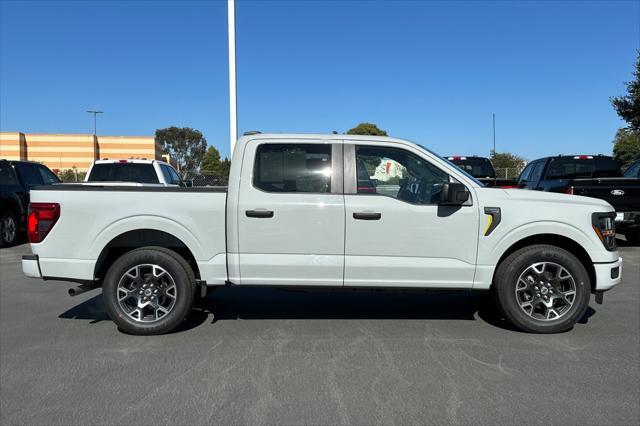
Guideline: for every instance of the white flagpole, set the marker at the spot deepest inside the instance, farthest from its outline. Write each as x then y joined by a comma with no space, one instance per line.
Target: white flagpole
233,111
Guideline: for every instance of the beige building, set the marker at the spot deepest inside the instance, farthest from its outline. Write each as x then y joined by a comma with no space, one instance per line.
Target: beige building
66,151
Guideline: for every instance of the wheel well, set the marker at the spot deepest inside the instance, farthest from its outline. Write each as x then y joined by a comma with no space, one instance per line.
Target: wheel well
11,205
131,240
558,241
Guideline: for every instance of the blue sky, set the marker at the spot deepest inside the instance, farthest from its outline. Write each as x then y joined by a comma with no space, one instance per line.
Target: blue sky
432,72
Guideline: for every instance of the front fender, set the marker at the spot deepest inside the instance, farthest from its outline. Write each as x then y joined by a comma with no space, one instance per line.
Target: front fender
592,245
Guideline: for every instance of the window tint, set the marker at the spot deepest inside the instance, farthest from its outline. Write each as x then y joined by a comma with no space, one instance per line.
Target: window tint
7,177
475,166
524,176
633,171
48,178
123,172
590,167
293,168
29,174
165,173
399,174
175,178
536,173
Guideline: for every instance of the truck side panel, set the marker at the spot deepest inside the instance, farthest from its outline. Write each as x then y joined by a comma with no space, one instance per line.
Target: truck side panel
93,217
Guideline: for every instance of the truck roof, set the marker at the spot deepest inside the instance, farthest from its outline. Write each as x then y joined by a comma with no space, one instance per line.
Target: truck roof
320,137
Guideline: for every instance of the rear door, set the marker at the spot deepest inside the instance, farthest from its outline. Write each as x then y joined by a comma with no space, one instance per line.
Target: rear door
291,213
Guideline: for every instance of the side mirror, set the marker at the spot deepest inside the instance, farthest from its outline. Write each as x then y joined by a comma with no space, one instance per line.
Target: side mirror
188,183
453,194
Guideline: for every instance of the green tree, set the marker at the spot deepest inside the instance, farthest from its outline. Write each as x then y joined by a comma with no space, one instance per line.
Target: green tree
213,165
626,146
210,160
367,129
185,144
223,171
628,106
71,175
507,160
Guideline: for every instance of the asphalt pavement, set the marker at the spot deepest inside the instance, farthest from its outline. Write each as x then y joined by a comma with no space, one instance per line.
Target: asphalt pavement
256,356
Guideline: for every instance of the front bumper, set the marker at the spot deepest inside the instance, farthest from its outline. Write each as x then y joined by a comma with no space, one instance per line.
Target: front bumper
608,275
31,266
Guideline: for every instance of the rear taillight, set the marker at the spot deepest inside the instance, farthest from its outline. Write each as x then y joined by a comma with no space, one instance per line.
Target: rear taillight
42,217
569,190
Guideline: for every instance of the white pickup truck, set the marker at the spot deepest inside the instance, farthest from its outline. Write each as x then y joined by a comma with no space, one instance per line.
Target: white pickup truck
337,211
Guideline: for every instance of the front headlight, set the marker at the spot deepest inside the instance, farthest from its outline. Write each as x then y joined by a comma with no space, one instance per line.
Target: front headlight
604,226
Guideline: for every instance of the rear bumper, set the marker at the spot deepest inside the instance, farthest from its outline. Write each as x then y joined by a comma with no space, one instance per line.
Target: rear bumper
31,266
608,275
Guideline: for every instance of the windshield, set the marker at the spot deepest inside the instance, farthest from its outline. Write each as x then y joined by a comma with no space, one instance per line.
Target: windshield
123,172
476,166
464,172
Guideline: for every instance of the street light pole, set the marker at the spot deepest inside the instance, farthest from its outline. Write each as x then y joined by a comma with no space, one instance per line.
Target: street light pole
95,113
233,120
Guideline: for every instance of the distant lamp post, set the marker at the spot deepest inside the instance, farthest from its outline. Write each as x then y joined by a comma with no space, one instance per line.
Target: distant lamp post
95,114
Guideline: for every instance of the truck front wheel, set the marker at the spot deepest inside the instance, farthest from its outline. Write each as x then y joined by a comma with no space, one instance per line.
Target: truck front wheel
149,290
542,289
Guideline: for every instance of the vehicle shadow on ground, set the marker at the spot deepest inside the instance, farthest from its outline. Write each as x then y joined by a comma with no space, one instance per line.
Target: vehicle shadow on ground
232,303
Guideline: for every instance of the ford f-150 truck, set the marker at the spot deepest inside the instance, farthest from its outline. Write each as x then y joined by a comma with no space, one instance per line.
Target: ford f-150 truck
299,212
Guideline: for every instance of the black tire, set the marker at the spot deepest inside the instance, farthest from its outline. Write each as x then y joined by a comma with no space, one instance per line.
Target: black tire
519,263
174,270
633,237
8,229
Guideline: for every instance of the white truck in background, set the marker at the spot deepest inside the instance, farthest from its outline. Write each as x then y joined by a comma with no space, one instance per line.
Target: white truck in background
138,171
302,211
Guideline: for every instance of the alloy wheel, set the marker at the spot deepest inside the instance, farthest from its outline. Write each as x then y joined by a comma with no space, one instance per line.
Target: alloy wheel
147,293
545,291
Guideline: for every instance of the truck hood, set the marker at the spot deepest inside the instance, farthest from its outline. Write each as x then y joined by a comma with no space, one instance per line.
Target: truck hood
549,197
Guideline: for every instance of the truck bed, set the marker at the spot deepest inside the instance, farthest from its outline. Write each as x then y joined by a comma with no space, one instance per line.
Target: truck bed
93,216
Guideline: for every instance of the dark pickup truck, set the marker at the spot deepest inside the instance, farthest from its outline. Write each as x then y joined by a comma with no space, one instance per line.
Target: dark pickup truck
16,179
596,176
481,169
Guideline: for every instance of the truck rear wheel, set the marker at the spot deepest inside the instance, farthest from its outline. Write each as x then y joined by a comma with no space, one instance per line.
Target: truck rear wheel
149,290
542,289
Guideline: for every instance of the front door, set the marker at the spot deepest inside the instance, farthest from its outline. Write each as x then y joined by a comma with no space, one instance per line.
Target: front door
291,214
396,234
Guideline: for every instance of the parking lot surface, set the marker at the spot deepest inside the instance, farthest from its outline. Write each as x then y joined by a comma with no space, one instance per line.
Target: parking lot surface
259,356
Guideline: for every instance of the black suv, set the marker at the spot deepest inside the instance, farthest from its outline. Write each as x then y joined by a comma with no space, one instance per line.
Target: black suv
16,179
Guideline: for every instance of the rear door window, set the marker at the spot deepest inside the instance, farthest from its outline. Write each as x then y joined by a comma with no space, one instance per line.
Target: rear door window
293,168
123,172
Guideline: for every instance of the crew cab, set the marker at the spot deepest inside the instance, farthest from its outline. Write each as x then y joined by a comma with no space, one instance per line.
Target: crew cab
16,180
597,176
142,171
303,211
482,169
